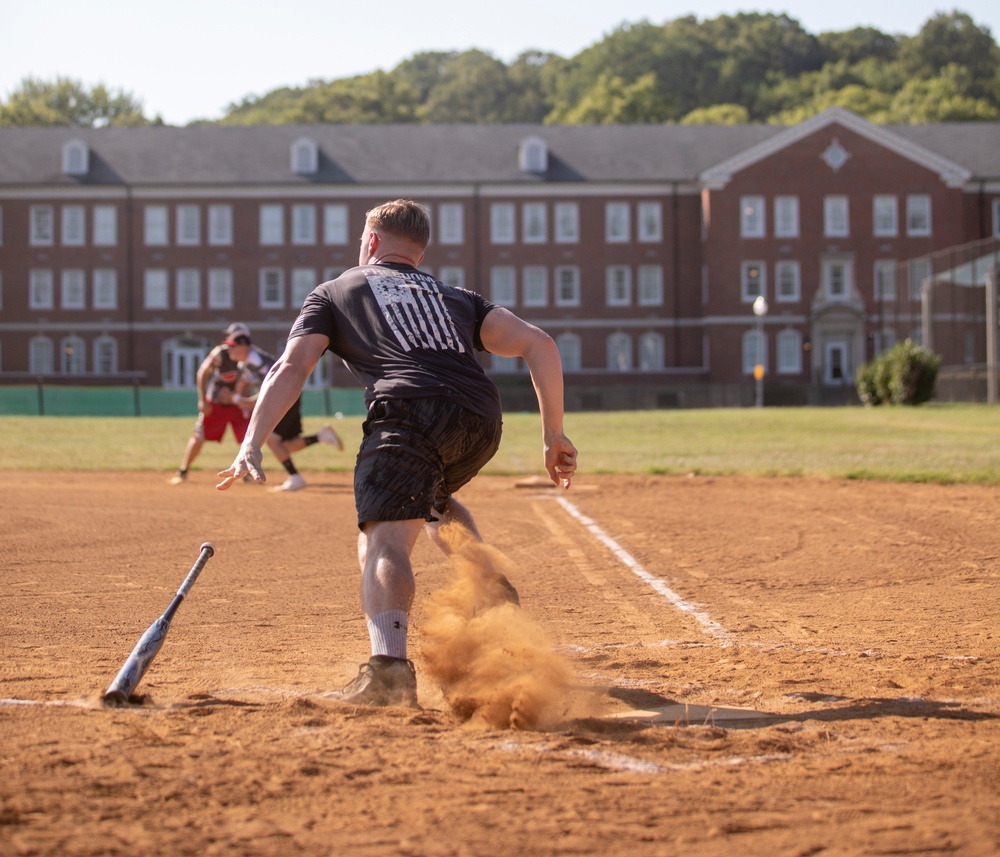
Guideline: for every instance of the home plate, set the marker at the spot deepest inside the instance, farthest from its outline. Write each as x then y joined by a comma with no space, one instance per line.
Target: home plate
692,715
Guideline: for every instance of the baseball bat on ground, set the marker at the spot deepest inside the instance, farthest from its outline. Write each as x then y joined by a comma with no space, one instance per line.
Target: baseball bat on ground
151,642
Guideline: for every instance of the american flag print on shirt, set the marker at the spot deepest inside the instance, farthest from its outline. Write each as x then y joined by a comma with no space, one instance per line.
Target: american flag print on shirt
414,309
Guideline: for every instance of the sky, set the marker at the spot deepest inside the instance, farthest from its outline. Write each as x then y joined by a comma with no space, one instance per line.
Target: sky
190,59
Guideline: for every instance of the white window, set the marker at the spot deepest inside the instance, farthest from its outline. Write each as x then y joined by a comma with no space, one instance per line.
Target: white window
42,228
536,285
105,225
619,352
754,350
40,361
789,346
272,288
618,285
74,289
105,356
918,214
74,225
534,221
220,225
835,217
567,286
651,352
919,271
188,288
156,289
752,283
220,288
786,217
503,286
40,289
75,158
335,223
837,279
272,225
188,225
305,157
451,226
884,280
650,285
105,281
617,227
155,225
303,282
74,355
502,223
567,222
650,221
752,217
304,224
533,155
885,215
787,281
569,351
452,275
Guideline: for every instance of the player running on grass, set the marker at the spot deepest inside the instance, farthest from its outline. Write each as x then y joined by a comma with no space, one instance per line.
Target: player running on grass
434,417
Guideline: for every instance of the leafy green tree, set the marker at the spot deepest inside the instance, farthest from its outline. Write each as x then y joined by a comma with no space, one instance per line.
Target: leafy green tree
68,102
861,43
946,98
953,39
612,101
473,87
718,114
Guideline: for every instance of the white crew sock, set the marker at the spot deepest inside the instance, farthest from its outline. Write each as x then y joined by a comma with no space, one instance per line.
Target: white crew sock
387,632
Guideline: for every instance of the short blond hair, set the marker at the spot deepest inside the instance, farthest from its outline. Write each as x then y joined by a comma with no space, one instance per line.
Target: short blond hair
402,218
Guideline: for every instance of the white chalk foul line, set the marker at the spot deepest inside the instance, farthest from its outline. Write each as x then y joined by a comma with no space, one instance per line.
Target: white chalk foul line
708,624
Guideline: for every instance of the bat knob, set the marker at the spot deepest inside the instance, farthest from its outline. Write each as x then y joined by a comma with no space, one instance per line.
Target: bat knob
208,546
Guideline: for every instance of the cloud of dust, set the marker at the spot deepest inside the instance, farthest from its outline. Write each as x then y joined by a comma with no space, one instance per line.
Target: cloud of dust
492,661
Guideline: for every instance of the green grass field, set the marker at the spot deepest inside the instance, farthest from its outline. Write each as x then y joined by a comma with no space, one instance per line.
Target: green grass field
930,443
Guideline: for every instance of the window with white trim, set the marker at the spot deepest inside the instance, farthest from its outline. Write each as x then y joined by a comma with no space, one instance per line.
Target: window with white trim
535,285
188,220
835,217
73,353
452,275
188,288
918,214
502,222
918,271
305,157
838,278
567,222
220,225
272,225
451,225
651,352
649,219
618,285
41,288
105,226
105,284
619,352
754,348
304,224
303,282
155,289
534,222
617,227
503,286
105,355
786,217
155,225
787,281
75,158
650,285
567,286
752,217
40,354
884,280
42,226
220,288
74,226
335,223
570,351
74,289
751,281
272,288
789,345
885,215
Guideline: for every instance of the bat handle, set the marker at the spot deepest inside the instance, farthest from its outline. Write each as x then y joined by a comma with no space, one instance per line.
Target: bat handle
207,552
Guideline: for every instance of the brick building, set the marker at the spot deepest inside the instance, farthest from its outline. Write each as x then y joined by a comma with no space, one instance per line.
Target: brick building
124,252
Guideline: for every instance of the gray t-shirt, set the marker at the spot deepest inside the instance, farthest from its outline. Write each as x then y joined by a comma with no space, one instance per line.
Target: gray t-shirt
404,335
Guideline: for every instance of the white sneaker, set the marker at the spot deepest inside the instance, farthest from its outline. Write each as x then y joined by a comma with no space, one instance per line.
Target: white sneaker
295,482
328,435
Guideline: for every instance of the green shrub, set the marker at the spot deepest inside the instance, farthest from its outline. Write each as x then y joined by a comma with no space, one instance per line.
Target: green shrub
903,375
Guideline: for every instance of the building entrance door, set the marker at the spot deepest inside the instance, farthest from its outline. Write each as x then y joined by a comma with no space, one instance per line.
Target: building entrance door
837,371
182,366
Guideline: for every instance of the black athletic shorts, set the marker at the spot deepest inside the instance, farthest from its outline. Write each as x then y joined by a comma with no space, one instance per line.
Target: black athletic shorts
290,425
415,454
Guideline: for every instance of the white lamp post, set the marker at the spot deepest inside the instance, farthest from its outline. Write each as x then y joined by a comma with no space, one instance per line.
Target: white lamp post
760,310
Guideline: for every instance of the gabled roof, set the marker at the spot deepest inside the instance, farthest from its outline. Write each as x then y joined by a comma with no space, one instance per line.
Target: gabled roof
951,173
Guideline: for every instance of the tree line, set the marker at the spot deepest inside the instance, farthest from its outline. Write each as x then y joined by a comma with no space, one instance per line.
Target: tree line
733,69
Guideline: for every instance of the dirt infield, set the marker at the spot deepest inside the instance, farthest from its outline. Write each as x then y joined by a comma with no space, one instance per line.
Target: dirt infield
757,667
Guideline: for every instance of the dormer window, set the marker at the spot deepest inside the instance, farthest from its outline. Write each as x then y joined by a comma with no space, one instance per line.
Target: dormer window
305,157
533,156
75,158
